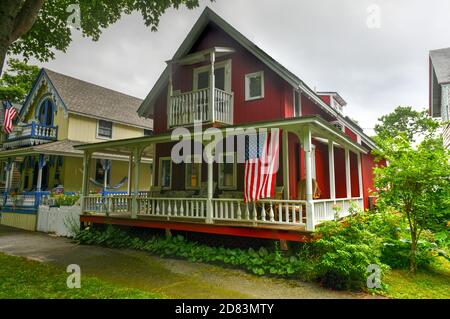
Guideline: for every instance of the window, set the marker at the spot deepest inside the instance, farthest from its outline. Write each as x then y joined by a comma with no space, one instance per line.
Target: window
148,132
165,172
227,171
193,172
222,75
104,129
254,86
100,172
46,113
297,104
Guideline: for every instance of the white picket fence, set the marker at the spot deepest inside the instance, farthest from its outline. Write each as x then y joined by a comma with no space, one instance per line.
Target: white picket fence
61,221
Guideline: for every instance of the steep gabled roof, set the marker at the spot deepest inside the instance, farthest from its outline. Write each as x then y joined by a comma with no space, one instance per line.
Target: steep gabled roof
441,64
209,16
88,99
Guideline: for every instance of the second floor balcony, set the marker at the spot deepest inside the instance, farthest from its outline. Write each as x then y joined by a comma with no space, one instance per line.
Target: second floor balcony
30,134
189,107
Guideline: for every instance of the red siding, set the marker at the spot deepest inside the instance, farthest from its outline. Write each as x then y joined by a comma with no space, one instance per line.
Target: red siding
351,134
339,169
368,164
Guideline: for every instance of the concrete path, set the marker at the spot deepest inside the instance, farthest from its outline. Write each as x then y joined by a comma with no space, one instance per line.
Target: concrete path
173,278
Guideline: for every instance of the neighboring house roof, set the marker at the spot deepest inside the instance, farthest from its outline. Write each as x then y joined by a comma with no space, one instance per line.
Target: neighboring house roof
208,16
441,64
88,99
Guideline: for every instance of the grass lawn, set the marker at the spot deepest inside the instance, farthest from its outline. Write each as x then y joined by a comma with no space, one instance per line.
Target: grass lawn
23,278
433,283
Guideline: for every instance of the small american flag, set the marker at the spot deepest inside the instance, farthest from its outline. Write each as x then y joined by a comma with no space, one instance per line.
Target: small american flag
261,165
10,113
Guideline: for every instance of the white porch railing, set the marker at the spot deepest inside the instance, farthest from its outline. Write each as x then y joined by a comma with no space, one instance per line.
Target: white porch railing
108,204
326,209
172,207
185,108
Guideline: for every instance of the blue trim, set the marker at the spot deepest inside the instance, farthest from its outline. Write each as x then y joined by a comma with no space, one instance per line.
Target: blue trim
25,105
8,209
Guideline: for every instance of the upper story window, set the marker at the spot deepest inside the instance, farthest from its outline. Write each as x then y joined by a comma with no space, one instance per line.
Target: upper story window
222,76
104,129
46,111
297,104
254,86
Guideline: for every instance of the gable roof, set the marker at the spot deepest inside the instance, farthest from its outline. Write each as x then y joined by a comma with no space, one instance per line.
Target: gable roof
209,16
441,64
88,99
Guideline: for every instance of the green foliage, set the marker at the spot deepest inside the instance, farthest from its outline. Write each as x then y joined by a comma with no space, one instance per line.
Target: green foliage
346,249
396,253
17,81
51,31
416,181
405,120
259,262
22,278
65,200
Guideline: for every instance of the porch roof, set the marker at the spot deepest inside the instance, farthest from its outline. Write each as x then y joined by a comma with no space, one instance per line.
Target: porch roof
319,128
62,148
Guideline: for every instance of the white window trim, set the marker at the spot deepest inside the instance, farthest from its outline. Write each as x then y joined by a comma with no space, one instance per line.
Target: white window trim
247,86
299,102
104,137
234,186
191,159
226,64
161,159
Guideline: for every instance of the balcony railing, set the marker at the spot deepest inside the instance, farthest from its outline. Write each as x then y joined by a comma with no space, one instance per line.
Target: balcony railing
30,134
185,108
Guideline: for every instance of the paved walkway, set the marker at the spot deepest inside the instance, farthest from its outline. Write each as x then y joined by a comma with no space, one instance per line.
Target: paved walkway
174,278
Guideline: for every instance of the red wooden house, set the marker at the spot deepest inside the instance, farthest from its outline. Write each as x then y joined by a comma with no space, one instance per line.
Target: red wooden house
220,78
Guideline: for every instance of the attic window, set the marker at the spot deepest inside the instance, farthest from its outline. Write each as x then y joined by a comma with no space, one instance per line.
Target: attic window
104,129
254,86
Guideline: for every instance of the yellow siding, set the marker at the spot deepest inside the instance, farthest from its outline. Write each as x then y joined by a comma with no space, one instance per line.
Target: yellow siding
22,221
72,175
84,129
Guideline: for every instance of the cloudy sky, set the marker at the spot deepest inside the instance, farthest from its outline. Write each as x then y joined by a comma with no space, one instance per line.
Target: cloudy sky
327,43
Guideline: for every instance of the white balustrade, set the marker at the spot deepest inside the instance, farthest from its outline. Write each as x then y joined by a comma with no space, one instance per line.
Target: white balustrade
185,108
172,207
331,209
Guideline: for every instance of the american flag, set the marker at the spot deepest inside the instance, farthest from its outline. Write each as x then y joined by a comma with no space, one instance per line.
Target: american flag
261,165
10,113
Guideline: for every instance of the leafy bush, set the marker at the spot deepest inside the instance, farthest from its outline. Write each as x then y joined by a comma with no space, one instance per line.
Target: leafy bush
65,200
395,253
345,251
259,262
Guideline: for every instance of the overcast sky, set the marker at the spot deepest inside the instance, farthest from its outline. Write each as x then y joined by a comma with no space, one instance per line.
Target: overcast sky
326,43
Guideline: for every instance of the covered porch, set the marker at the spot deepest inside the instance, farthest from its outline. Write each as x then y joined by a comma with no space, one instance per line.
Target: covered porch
212,209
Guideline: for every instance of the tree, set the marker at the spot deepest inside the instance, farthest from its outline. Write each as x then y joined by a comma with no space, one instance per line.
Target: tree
35,28
17,81
416,181
405,120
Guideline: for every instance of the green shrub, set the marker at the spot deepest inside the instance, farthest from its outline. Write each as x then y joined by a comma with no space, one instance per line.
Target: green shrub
65,200
395,253
345,251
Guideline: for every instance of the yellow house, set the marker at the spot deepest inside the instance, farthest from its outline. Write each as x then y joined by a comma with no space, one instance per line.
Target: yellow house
38,158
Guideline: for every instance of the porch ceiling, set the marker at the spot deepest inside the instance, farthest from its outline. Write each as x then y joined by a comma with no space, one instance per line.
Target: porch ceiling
201,56
319,128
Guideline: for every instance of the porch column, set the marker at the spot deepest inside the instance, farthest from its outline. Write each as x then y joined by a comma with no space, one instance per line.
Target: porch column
307,149
106,165
331,169
153,166
8,168
286,164
41,164
348,181
85,184
212,85
130,164
137,168
360,182
209,208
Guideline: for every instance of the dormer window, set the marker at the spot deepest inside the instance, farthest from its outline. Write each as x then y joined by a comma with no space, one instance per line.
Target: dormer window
339,125
46,113
254,86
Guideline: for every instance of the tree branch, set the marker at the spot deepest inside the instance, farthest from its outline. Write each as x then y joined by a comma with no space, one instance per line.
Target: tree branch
26,18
